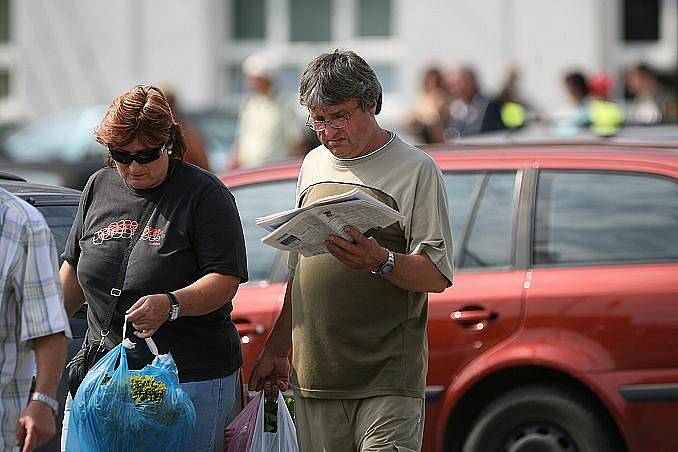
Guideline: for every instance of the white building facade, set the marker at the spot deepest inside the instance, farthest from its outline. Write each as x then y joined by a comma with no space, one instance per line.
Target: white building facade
56,54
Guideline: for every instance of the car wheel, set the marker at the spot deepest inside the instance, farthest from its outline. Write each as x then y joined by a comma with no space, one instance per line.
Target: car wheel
539,419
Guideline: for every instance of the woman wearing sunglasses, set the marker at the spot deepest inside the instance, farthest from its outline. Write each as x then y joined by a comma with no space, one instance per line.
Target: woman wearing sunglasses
183,269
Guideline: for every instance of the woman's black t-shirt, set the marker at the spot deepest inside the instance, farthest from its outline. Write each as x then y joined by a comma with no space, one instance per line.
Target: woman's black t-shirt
194,230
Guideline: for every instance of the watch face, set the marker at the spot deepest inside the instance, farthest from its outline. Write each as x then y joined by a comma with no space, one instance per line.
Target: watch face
175,312
386,269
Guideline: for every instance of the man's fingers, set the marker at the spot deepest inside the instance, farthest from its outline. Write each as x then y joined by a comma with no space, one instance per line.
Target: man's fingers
254,383
143,334
21,432
346,245
29,442
355,234
342,255
282,385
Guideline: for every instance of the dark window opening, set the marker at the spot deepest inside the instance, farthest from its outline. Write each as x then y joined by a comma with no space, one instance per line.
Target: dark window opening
641,20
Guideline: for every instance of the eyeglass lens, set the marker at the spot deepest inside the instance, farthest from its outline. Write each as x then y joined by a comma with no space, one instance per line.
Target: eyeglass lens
337,123
143,157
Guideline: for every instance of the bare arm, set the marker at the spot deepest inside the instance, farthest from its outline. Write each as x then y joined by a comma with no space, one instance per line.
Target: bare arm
73,296
412,272
36,423
279,341
415,273
273,366
207,294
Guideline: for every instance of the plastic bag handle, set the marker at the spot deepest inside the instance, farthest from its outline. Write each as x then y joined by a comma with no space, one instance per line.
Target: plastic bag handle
129,344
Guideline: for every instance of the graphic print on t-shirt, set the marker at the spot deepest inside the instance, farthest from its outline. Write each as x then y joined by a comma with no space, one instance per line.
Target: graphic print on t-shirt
124,229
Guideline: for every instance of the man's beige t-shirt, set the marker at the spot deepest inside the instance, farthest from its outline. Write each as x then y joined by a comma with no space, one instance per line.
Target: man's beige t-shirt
355,334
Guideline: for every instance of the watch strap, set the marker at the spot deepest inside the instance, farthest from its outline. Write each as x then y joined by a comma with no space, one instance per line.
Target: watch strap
174,306
387,266
47,400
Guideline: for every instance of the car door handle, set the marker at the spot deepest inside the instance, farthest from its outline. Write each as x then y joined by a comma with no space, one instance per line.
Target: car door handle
473,315
245,328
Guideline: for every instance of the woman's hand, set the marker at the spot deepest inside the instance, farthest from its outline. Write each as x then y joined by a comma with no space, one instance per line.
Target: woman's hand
148,314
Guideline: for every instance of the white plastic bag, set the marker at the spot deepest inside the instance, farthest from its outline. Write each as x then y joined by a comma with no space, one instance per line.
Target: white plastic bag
284,439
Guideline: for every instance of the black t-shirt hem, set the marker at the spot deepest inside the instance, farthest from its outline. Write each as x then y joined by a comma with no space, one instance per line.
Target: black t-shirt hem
188,377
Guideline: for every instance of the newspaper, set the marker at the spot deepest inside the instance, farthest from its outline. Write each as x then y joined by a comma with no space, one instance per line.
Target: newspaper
304,230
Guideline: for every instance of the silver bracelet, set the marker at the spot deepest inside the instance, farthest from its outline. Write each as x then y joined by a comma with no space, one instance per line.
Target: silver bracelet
47,400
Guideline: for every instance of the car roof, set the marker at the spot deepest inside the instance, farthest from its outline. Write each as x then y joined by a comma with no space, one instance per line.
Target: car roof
657,153
22,188
501,154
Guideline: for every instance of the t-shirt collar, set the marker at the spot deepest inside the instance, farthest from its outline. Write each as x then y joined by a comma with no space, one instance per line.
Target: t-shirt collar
362,158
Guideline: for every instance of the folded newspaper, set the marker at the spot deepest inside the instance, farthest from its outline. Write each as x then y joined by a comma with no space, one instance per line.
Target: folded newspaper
304,230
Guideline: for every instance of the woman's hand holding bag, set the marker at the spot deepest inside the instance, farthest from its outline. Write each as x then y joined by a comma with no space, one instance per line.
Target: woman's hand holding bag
122,410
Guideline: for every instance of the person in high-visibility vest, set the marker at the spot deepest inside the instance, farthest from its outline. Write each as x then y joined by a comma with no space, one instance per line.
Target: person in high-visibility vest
606,116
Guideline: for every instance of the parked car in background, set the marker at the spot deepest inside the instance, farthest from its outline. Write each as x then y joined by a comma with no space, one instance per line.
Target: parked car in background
60,149
58,205
560,332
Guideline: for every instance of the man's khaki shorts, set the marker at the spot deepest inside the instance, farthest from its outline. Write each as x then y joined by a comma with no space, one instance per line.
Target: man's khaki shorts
375,424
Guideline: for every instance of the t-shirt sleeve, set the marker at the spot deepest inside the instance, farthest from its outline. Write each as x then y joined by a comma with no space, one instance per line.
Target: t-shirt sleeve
219,240
72,250
42,305
431,233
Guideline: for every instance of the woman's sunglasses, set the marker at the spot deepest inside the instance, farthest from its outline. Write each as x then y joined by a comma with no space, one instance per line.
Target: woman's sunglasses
142,157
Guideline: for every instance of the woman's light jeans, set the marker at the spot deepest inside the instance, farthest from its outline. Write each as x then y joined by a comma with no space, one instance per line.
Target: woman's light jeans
213,401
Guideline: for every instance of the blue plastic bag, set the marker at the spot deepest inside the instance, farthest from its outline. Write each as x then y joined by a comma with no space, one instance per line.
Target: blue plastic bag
122,410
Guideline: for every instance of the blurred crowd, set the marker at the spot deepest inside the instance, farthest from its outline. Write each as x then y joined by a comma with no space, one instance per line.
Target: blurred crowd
452,104
268,127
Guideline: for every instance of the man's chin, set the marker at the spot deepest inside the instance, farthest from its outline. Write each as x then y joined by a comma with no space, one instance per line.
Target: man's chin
340,151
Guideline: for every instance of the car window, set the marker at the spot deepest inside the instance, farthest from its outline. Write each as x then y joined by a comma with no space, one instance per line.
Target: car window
598,217
490,239
258,200
482,217
59,219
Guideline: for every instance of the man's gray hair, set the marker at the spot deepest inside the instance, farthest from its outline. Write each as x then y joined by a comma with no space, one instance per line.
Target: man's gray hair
333,78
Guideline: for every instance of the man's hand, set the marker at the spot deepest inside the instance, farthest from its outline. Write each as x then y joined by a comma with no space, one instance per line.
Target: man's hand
148,314
36,426
270,373
362,254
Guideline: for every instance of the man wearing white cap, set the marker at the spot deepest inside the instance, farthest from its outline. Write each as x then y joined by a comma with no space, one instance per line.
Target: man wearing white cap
267,130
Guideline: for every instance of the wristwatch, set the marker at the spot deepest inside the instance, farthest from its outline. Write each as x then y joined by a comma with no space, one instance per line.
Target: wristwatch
47,400
174,308
387,266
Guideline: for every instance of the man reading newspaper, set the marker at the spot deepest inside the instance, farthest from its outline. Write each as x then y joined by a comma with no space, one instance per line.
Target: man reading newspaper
356,316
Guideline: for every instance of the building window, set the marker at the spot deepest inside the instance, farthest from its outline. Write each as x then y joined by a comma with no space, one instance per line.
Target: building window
4,84
249,17
641,20
310,20
374,18
4,20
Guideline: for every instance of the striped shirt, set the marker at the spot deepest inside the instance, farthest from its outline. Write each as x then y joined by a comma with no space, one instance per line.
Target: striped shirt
31,304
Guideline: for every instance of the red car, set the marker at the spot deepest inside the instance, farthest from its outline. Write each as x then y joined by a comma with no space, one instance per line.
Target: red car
561,330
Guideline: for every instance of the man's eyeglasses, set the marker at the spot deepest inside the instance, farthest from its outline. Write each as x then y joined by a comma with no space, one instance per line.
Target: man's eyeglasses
336,123
142,157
